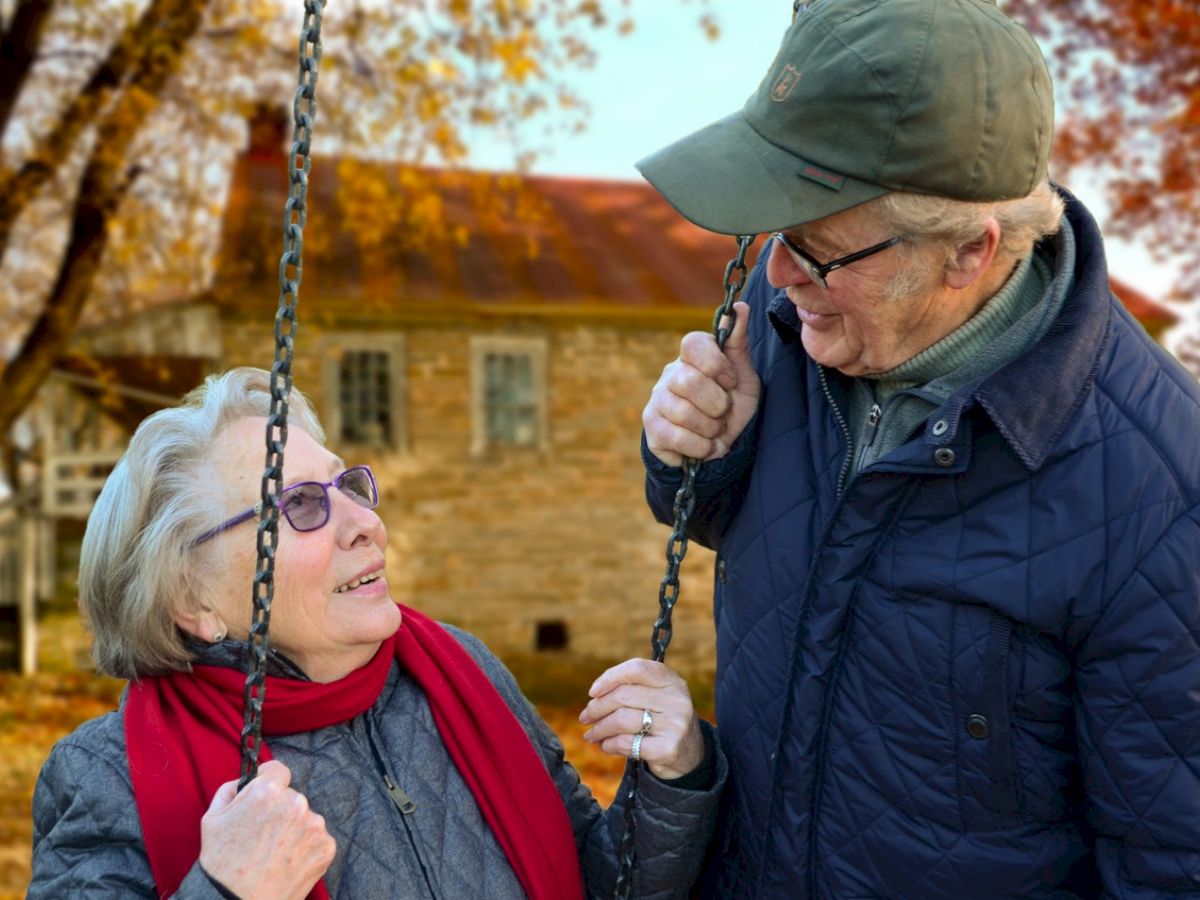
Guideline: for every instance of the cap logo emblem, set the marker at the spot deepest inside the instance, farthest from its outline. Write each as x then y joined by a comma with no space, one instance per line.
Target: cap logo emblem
785,83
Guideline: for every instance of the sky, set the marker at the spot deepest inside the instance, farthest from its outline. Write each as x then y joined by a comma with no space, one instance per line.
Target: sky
667,79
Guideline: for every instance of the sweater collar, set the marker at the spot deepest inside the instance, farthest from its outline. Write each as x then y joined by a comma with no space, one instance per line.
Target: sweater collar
1032,398
978,346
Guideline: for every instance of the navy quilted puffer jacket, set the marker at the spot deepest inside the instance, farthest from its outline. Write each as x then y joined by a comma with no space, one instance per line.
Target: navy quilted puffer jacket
973,669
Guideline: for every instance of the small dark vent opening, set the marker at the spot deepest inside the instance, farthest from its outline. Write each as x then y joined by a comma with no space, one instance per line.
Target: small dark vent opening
551,635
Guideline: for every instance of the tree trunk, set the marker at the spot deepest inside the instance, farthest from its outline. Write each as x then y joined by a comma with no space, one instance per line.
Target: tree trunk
153,33
18,49
101,189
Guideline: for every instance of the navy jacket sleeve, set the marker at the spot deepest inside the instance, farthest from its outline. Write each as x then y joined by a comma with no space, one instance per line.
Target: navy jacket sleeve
1139,724
721,483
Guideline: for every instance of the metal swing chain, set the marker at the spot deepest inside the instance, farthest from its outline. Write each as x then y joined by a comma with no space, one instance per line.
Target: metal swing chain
291,269
677,544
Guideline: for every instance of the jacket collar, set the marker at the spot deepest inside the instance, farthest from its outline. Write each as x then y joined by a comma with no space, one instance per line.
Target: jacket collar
231,654
1032,399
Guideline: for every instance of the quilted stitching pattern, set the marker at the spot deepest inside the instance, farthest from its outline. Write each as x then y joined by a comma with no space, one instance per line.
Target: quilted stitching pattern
850,656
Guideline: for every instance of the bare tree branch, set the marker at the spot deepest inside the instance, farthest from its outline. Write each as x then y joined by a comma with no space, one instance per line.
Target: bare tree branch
73,55
18,50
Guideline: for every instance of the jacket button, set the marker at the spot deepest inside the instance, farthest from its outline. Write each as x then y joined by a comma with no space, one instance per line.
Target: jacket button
939,427
943,456
978,727
721,570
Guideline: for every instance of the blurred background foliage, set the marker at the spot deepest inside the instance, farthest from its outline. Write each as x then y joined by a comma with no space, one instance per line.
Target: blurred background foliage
1127,73
118,119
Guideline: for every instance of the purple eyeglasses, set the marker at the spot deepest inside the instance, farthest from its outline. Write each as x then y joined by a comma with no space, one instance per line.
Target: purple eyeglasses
305,504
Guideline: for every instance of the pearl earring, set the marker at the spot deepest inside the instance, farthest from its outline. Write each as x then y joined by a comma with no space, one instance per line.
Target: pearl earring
218,636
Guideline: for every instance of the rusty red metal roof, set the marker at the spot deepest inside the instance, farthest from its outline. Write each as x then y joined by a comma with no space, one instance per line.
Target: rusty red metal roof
1152,315
500,239
387,238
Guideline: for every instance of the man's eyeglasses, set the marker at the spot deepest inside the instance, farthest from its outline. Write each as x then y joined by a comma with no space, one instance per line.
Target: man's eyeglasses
817,271
305,504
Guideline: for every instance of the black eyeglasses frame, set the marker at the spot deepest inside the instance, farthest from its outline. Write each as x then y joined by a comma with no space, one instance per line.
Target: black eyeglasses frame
818,271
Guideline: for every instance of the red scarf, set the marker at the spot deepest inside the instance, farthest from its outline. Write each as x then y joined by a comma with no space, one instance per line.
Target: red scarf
182,734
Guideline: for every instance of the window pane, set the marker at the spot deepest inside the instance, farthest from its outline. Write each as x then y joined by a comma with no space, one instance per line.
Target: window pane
364,385
509,402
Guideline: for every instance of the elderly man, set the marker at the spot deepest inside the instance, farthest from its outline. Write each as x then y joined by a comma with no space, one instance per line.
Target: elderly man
952,484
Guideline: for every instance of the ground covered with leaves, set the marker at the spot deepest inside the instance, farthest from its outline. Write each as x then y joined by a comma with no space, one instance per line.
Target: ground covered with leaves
34,713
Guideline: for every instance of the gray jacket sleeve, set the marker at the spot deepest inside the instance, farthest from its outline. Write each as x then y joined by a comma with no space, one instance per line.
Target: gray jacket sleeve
87,839
674,825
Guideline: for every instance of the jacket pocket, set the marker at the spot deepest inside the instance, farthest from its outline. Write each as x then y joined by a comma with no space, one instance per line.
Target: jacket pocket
987,776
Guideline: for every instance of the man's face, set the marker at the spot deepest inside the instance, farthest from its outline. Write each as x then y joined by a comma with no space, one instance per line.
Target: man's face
854,325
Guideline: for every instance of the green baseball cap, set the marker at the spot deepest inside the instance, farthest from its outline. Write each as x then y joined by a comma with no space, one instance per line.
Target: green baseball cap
943,97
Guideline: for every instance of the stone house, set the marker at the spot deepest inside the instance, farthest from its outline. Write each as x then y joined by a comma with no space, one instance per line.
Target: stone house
486,344
492,371
493,374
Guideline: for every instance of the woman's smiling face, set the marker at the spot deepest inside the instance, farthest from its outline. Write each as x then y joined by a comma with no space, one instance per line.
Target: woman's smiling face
331,607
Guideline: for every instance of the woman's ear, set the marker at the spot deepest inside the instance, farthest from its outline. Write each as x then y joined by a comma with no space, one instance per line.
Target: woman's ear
971,261
200,620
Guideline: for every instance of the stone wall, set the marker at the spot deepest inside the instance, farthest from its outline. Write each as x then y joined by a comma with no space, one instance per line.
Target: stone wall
500,541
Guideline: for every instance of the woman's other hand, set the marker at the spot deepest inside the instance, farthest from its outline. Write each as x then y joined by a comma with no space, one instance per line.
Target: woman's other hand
673,746
264,842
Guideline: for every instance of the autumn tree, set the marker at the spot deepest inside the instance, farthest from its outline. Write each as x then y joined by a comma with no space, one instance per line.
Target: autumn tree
1128,77
115,115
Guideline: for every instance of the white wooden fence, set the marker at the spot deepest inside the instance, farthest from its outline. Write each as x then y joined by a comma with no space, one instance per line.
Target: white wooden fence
71,481
20,555
28,573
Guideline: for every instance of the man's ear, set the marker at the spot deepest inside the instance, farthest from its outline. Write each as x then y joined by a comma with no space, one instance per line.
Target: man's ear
972,260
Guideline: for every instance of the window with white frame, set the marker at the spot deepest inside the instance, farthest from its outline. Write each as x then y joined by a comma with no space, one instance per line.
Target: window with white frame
363,381
508,388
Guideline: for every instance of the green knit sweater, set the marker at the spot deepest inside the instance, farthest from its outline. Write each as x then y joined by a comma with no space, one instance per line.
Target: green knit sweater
885,409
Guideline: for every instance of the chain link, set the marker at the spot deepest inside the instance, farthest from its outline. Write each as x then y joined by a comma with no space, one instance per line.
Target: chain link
291,270
668,591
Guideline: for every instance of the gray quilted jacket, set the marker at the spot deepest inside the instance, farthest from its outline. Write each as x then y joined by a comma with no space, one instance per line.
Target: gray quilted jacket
88,841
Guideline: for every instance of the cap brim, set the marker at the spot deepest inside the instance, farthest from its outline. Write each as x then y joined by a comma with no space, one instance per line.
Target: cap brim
729,179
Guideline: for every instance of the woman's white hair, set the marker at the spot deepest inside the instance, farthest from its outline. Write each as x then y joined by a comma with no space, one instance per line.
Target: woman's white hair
938,227
137,563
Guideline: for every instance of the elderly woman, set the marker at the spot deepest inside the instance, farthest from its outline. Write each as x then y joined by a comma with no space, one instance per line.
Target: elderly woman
402,759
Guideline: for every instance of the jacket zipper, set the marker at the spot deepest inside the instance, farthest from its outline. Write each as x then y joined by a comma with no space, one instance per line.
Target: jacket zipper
820,746
873,418
841,420
777,754
404,803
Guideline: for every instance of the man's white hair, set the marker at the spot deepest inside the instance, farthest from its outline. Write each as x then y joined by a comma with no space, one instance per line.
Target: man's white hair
938,227
138,565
